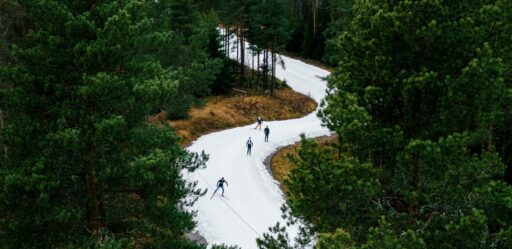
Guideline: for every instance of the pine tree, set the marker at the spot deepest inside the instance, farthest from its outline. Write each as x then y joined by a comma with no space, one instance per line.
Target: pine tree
83,167
417,97
268,28
318,173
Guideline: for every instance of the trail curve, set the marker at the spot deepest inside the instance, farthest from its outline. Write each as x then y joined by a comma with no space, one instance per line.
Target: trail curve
253,198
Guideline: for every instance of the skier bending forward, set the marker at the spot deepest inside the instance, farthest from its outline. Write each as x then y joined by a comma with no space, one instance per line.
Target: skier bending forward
220,185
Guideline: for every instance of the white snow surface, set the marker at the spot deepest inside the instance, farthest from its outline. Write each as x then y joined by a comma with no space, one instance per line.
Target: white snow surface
252,198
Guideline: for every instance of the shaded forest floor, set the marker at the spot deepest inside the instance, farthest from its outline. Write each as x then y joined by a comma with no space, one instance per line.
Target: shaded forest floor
229,111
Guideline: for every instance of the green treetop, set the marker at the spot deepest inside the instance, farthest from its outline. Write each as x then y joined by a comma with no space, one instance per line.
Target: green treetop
82,164
417,100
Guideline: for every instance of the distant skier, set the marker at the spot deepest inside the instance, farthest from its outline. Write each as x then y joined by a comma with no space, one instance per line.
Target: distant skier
220,185
249,146
266,131
259,121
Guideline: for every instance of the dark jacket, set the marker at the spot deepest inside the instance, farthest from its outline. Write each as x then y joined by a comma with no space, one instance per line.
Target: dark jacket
221,182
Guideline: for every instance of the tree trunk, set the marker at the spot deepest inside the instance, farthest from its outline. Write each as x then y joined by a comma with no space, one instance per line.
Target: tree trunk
237,48
258,70
242,50
273,63
314,17
252,67
227,37
265,68
226,42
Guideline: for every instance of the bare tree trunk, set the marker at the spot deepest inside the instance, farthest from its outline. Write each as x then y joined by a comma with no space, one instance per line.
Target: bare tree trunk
252,66
226,42
265,68
242,50
273,75
258,70
228,48
237,48
314,17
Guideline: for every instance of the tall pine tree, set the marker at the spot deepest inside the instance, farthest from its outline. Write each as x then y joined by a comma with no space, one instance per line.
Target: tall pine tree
419,98
83,167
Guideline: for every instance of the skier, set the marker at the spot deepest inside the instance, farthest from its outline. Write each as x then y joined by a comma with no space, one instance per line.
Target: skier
220,184
266,131
249,146
258,121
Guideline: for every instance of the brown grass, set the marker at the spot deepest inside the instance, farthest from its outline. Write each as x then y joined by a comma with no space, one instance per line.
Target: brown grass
227,112
281,166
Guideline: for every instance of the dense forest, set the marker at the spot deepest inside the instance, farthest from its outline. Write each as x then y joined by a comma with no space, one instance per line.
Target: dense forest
421,103
420,100
80,166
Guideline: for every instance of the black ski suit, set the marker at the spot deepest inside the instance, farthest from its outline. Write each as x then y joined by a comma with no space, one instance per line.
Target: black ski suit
249,146
266,131
259,121
220,184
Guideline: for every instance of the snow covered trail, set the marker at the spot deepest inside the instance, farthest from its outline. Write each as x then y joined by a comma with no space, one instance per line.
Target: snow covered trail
253,198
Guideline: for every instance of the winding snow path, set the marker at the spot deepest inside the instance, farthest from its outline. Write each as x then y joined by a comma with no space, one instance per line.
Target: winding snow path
253,198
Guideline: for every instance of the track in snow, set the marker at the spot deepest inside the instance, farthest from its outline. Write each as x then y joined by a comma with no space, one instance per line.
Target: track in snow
253,198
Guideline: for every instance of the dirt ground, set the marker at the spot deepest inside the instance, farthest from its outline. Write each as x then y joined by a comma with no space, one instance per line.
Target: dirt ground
225,112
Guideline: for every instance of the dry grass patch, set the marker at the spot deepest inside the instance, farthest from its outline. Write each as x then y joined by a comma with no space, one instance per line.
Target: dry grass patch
223,112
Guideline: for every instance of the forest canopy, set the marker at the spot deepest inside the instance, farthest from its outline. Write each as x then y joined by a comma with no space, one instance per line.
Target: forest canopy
420,99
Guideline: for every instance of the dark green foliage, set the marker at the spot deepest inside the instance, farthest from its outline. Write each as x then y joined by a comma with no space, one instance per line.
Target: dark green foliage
276,239
320,172
224,247
315,25
421,102
82,168
270,32
224,80
196,58
307,22
264,25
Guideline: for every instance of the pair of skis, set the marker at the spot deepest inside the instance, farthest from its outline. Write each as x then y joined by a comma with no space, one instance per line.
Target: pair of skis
214,193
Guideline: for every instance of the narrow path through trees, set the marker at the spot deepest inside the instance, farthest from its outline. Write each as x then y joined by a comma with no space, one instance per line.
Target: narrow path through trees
252,192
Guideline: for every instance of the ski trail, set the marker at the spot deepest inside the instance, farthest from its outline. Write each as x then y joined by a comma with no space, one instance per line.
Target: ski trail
253,196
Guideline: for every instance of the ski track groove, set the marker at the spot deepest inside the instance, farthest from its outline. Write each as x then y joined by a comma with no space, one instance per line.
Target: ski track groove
254,197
